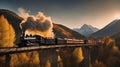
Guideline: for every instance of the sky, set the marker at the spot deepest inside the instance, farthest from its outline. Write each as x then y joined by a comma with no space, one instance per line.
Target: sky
71,13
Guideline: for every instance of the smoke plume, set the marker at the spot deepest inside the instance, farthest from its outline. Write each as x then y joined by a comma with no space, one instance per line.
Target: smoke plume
36,25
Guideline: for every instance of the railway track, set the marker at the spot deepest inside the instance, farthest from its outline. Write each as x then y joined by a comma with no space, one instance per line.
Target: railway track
13,50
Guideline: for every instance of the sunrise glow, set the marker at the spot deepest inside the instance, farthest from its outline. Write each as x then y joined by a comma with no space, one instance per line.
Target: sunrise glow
117,16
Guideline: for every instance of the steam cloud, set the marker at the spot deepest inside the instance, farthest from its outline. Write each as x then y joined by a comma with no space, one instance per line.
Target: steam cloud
39,24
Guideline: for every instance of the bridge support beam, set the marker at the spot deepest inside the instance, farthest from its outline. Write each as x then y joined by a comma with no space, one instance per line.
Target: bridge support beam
87,59
7,57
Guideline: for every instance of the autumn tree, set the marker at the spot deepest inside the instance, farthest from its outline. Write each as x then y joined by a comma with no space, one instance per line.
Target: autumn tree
108,54
7,34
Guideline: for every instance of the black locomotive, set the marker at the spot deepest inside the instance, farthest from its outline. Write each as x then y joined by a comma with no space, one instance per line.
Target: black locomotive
30,40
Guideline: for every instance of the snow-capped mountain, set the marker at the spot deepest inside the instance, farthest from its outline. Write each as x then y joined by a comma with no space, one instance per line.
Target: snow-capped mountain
86,30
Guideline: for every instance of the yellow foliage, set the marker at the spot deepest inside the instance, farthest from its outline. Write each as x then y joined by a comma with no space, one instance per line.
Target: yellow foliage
34,59
78,54
7,37
7,34
60,61
108,41
115,48
99,64
48,64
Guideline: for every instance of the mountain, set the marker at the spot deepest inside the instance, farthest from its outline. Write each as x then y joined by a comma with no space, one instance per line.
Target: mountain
62,31
13,19
86,30
109,30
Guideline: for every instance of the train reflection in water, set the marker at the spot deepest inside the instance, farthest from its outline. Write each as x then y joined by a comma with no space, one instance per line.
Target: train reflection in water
32,40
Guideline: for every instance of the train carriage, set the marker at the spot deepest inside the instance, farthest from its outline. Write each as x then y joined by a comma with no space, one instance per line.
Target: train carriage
60,41
39,40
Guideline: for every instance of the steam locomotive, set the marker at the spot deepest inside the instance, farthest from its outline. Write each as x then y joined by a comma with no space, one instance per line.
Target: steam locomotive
30,40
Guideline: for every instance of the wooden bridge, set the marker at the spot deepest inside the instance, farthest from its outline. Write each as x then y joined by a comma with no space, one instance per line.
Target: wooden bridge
12,50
